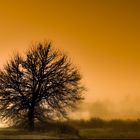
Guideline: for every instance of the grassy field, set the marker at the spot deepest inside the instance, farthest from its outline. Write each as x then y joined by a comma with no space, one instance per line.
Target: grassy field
93,129
7,133
102,133
112,129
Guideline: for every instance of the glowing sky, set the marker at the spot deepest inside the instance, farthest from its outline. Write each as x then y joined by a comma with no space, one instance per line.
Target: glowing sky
100,36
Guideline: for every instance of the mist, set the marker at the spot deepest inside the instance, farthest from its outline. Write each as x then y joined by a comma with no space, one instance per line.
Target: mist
126,108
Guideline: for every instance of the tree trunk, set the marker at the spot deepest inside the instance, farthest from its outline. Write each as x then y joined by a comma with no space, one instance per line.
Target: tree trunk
31,118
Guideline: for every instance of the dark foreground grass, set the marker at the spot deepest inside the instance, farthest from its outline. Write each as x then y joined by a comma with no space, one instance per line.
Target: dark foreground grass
8,133
103,133
92,129
112,129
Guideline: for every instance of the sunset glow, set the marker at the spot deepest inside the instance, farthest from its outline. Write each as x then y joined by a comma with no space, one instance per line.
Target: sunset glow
101,37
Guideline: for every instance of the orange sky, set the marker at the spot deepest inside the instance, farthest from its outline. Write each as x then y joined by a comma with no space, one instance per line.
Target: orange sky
100,36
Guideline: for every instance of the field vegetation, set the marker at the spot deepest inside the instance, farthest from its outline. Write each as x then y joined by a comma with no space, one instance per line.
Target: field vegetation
95,128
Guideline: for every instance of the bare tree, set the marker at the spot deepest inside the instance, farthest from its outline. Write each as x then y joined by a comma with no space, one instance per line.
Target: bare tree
41,85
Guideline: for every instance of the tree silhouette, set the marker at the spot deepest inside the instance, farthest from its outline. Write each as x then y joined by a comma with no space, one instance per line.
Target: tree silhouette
41,85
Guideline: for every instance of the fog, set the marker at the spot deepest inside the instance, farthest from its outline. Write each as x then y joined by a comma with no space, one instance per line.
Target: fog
127,108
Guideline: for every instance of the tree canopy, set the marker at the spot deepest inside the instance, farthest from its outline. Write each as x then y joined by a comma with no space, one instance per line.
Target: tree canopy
41,85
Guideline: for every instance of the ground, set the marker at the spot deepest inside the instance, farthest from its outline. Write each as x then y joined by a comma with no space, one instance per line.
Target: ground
93,129
84,133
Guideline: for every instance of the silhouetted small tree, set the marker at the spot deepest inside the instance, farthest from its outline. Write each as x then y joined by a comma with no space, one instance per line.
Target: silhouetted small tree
41,85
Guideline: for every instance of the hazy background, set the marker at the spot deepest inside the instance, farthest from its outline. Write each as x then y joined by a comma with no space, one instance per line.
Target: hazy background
100,36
